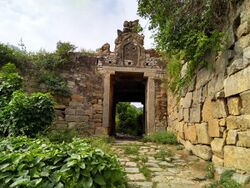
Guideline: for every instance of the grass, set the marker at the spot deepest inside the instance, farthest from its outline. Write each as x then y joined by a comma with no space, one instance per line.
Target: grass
131,150
145,171
161,138
209,168
225,181
163,153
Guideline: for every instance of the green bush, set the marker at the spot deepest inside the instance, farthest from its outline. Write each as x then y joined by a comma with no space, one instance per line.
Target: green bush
10,81
26,115
59,136
161,138
53,83
26,162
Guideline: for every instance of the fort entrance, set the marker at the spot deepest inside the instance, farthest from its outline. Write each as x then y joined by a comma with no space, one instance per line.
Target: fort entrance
132,74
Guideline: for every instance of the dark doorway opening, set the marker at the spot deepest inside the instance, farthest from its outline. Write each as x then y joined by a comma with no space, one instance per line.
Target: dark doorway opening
128,121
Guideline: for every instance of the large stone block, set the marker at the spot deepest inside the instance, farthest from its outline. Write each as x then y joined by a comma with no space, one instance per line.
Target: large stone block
195,114
190,133
180,130
246,56
203,77
197,96
217,146
202,151
236,122
186,114
245,99
187,101
243,29
233,105
237,157
77,98
232,137
242,43
181,114
214,128
244,139
207,110
70,111
202,133
238,82
219,109
217,161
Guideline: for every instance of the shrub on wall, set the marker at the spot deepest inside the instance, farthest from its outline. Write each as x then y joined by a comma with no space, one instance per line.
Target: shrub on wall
26,115
28,162
10,81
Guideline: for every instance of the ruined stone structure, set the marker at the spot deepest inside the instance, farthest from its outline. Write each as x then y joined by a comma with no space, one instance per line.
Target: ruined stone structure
97,84
212,118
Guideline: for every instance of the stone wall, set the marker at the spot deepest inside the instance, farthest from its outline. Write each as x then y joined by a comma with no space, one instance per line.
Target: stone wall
212,118
83,109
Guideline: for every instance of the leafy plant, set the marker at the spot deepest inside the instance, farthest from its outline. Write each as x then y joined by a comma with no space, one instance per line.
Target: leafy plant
225,181
63,49
53,83
26,162
10,81
163,154
59,136
161,138
131,150
193,28
145,171
26,115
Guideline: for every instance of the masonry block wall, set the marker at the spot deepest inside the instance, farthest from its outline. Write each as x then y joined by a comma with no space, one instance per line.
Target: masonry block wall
212,118
83,109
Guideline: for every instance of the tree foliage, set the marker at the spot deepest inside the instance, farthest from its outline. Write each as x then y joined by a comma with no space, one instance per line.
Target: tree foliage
189,30
129,119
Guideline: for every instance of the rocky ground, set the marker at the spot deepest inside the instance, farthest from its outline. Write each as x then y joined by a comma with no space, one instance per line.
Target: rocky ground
160,166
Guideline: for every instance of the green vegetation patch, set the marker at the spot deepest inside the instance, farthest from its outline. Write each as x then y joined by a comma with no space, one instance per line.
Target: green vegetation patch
26,162
161,138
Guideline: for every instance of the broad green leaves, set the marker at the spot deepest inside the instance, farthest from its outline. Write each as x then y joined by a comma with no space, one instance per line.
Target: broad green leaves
26,162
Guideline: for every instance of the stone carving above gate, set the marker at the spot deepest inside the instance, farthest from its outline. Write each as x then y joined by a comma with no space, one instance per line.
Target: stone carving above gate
129,50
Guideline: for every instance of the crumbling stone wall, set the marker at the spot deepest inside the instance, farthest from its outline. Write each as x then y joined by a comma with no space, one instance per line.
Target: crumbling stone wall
212,118
83,109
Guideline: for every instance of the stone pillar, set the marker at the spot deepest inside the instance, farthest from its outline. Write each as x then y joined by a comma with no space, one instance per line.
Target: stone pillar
106,101
150,106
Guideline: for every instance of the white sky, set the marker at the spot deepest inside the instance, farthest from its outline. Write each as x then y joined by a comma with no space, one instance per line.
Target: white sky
87,24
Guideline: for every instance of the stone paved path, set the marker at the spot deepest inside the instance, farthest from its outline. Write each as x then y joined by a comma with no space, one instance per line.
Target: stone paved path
150,165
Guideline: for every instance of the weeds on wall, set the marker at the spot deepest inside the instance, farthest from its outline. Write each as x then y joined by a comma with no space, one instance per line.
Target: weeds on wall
186,32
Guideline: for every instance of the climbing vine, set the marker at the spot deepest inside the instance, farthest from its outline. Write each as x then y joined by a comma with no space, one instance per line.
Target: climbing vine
185,31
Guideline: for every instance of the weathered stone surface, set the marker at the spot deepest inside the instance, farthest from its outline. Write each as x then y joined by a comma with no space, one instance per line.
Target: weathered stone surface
235,122
136,177
231,137
197,96
203,77
236,66
222,122
237,83
217,161
233,105
140,184
207,110
214,128
219,109
195,114
202,133
181,114
132,170
60,107
237,157
246,56
243,29
101,131
187,101
242,43
77,98
190,133
186,114
202,151
244,139
180,130
241,178
217,146
245,99
70,111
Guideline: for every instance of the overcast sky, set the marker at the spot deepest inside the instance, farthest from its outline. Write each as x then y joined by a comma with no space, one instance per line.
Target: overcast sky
86,23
